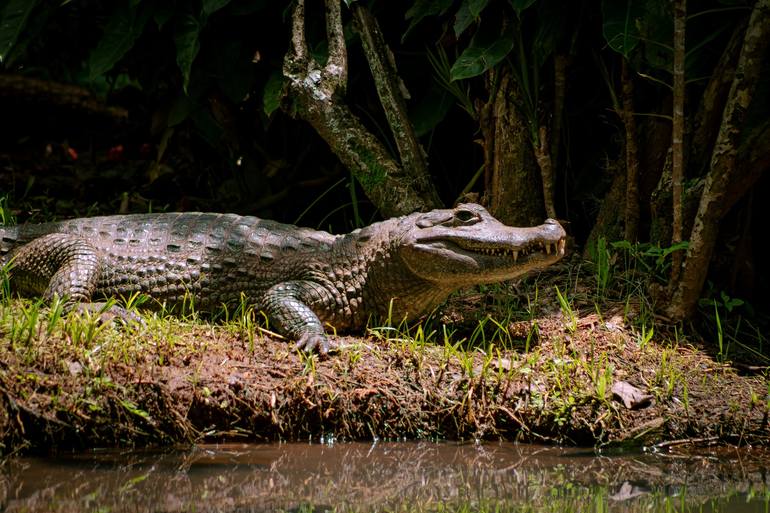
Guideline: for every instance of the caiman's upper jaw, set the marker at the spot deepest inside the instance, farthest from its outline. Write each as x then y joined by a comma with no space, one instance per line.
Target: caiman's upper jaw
485,252
546,248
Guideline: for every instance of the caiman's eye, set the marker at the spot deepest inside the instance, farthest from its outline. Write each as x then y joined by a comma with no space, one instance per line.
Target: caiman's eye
464,216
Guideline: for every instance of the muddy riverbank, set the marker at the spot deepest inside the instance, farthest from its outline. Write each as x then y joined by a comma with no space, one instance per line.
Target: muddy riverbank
71,382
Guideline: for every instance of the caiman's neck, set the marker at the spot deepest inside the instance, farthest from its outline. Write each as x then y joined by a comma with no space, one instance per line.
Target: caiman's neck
390,289
402,295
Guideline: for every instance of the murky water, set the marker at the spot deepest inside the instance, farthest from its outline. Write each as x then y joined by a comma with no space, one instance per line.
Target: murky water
410,477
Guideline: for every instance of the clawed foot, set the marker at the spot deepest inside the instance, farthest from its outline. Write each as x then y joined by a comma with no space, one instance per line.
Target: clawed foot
309,342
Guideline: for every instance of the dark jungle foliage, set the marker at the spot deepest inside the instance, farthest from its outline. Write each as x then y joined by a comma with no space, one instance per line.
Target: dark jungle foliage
183,105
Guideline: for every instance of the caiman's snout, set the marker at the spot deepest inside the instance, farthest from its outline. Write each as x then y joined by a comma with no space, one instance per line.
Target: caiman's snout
541,245
557,233
466,245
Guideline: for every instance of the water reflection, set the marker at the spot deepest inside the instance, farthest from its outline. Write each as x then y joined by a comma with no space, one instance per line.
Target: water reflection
387,477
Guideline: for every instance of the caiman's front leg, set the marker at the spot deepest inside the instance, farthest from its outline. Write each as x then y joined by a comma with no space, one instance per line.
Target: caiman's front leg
286,305
63,265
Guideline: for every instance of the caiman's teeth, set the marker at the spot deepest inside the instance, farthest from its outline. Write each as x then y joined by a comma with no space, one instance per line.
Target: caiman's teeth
562,243
547,248
515,255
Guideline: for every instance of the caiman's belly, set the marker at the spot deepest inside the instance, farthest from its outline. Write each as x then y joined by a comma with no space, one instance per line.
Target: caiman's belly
174,281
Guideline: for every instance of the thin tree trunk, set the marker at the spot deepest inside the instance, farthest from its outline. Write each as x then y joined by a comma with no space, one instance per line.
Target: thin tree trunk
716,199
559,92
632,157
543,157
391,90
677,138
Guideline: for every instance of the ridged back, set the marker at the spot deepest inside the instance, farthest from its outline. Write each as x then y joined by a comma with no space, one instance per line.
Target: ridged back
192,233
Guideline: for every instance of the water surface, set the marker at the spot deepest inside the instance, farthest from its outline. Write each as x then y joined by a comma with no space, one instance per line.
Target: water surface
411,477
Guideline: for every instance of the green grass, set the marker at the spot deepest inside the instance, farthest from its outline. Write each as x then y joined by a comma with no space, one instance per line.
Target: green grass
567,311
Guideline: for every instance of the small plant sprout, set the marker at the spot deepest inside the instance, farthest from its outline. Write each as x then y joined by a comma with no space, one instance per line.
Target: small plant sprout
567,312
602,377
502,334
308,361
531,333
531,304
353,357
479,333
601,260
134,301
645,336
23,330
5,283
55,313
188,310
723,349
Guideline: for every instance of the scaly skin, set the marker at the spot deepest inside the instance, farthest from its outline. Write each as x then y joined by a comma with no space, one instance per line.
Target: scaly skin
302,279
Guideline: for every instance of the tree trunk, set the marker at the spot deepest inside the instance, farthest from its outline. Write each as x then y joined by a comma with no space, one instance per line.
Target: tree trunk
315,93
712,104
632,157
544,162
716,199
515,191
677,138
609,219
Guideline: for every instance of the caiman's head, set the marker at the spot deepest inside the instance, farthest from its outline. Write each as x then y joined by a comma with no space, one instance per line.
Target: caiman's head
466,245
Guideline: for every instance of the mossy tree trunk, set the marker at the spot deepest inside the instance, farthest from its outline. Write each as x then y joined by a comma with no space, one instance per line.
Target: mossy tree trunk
316,94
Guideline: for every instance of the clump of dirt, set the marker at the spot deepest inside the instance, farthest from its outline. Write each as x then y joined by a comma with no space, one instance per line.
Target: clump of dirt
547,378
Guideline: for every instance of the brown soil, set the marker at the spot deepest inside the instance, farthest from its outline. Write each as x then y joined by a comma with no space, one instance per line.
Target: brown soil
179,381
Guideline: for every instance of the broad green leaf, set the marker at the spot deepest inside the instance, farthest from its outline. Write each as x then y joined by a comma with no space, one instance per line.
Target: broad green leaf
186,38
476,6
271,96
620,24
121,32
212,6
521,5
13,19
482,55
422,8
431,110
469,11
180,110
163,14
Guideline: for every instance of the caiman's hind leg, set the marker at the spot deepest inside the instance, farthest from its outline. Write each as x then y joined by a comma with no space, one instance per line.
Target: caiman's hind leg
63,265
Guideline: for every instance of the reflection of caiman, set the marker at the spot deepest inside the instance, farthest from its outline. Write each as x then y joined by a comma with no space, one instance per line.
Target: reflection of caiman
301,278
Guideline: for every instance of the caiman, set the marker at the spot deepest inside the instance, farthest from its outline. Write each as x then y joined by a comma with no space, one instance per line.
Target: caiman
302,279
